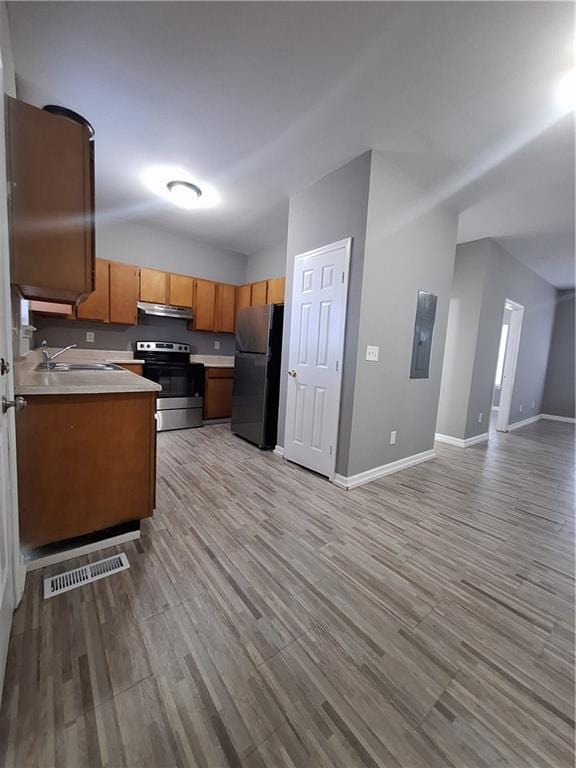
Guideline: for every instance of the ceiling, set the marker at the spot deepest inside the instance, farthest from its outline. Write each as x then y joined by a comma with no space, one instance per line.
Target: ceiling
262,99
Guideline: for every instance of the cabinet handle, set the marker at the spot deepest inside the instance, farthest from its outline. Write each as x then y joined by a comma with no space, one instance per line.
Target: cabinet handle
18,404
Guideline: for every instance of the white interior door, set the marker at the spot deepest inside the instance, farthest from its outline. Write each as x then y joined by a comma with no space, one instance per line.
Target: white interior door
319,297
8,520
510,360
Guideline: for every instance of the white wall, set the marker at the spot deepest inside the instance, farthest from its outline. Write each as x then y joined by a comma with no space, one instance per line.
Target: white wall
270,262
156,248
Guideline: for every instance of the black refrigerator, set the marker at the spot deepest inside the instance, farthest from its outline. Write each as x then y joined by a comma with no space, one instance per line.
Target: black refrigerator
257,364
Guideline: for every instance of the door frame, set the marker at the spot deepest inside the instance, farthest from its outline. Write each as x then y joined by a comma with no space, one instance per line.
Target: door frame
346,244
510,363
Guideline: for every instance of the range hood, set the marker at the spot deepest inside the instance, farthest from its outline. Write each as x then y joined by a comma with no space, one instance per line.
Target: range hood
165,310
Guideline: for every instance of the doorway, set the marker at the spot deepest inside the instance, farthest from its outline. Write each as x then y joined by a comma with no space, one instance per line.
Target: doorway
319,300
506,364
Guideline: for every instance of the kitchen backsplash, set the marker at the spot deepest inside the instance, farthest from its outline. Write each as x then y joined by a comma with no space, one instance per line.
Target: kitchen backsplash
59,332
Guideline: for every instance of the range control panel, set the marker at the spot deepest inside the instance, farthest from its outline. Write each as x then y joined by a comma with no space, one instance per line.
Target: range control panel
162,346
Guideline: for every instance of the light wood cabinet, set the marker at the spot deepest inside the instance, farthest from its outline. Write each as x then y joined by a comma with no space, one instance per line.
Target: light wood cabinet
123,293
153,286
180,290
276,289
204,305
51,204
218,393
53,309
97,305
243,296
225,309
259,293
85,463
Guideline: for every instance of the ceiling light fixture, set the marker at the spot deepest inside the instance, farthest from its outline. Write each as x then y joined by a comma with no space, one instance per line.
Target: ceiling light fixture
180,186
566,91
184,193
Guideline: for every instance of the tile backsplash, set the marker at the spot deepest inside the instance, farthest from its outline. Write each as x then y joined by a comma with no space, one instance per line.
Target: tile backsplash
59,332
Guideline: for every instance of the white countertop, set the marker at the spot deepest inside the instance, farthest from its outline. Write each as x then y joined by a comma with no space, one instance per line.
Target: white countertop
214,361
29,381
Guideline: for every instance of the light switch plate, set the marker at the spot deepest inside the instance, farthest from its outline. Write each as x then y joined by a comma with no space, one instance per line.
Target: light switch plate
90,336
393,437
372,353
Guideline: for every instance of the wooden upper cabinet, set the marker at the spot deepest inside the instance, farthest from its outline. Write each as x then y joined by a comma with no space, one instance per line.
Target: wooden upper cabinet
97,305
225,310
52,308
259,293
51,184
124,285
204,305
243,296
180,290
153,286
276,289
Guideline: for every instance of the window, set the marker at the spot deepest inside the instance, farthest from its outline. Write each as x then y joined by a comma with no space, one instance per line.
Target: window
501,355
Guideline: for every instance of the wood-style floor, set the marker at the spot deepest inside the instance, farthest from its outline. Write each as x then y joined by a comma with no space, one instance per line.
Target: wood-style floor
272,619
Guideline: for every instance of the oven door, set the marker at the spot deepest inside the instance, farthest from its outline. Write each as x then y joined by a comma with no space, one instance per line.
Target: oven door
178,380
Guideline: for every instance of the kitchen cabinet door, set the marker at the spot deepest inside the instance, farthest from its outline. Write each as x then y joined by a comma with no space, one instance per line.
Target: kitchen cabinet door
153,286
181,289
276,288
97,305
51,308
50,181
123,293
218,393
225,313
259,293
204,305
243,296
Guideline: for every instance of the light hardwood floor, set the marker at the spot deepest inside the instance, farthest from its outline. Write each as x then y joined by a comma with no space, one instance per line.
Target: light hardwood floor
272,619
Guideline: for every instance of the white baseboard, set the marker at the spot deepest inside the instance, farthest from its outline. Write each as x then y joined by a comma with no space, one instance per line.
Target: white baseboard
524,422
386,469
70,554
279,451
459,442
552,417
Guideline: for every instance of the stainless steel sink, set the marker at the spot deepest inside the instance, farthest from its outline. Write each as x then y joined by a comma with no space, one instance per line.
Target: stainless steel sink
58,367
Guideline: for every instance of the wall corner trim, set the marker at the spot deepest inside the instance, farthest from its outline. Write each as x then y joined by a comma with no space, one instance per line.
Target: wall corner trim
458,442
279,451
386,469
553,417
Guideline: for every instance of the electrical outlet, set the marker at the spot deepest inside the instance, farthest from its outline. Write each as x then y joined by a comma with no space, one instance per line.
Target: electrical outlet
90,336
372,353
216,345
393,437
520,407
480,416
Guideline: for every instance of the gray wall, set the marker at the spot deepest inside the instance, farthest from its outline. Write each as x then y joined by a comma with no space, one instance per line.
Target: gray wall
151,247
332,209
59,333
271,262
467,389
559,394
410,245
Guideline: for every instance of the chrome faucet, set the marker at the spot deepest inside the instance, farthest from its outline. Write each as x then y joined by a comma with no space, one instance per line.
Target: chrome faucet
47,357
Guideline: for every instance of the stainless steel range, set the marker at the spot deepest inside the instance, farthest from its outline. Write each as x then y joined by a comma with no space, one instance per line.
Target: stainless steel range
180,404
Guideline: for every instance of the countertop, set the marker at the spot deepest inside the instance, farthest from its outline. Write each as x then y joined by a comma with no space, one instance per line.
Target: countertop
214,361
29,381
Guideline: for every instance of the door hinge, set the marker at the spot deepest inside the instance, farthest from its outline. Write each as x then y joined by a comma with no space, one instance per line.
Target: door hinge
337,365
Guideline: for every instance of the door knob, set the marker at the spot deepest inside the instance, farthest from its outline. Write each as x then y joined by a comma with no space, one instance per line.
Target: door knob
292,373
18,403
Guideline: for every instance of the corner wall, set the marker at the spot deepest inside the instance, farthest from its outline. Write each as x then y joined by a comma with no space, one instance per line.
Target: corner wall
270,262
559,392
410,246
485,276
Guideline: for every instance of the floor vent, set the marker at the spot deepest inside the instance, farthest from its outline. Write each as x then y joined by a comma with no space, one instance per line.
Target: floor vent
55,585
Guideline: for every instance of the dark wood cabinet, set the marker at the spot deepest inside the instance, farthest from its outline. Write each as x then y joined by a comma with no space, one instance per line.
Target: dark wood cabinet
51,204
218,393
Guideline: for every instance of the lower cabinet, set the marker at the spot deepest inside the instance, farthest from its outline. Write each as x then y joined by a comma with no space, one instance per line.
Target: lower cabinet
218,393
136,368
85,463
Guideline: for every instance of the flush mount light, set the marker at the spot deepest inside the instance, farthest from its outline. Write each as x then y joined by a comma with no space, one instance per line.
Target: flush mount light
566,91
180,186
184,193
